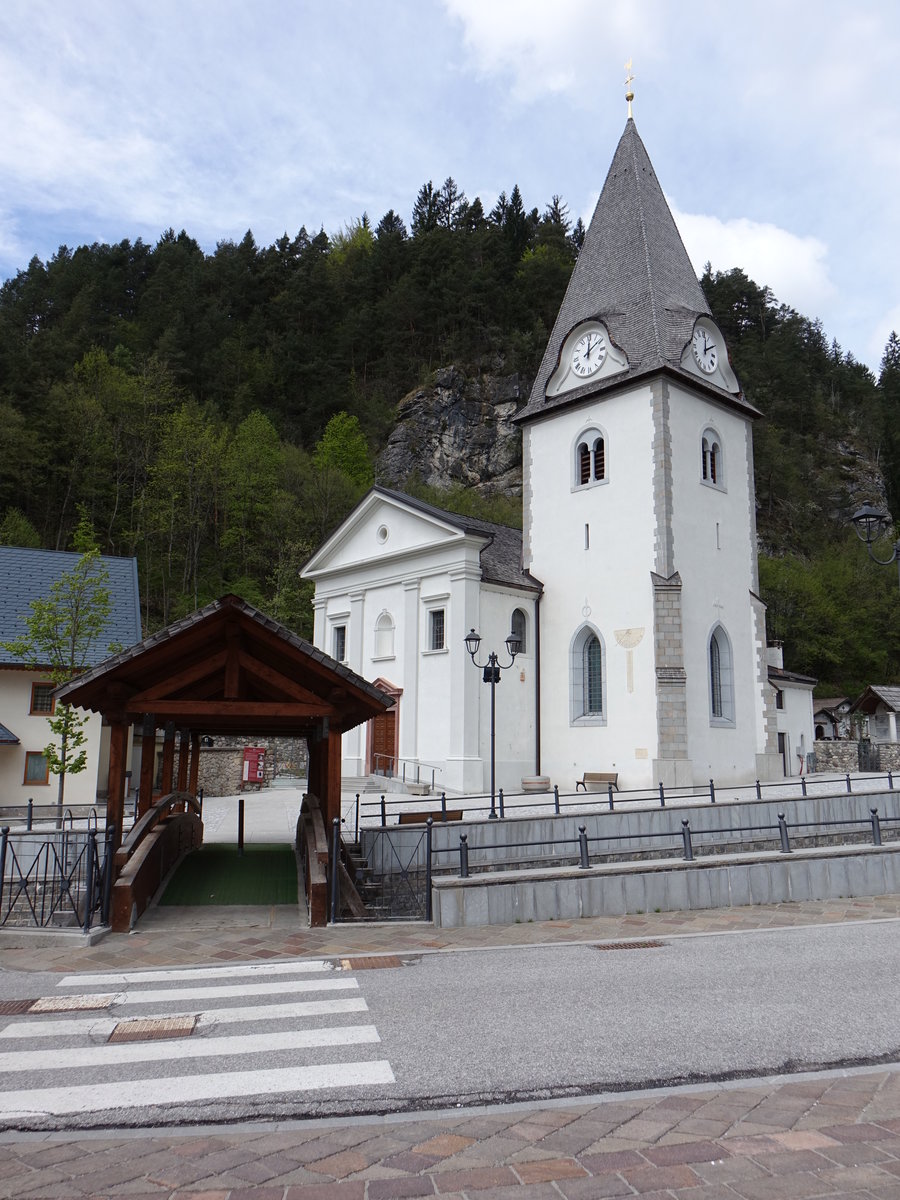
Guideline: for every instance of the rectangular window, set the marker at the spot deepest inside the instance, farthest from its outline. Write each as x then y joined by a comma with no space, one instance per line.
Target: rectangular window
339,641
436,630
42,703
36,769
779,699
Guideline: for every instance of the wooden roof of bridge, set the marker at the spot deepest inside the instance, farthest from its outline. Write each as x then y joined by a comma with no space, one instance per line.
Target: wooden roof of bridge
228,668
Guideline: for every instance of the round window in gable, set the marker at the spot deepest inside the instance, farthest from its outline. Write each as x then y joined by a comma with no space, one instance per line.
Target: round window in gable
382,533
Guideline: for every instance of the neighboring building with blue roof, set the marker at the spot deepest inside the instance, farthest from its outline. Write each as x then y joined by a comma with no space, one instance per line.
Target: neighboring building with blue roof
26,695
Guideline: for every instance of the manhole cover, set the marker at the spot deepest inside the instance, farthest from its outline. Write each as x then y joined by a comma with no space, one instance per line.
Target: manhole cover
52,1004
153,1029
372,963
10,1008
648,945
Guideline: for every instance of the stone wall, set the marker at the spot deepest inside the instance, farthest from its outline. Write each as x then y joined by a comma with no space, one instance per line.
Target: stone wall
222,764
842,756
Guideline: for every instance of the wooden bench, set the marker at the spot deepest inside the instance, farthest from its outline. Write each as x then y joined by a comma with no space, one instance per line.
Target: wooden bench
592,781
419,818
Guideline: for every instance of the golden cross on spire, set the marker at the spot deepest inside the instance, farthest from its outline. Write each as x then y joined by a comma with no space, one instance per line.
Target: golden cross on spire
629,79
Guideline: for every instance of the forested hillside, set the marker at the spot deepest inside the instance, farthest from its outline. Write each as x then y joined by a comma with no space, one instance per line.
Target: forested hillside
216,414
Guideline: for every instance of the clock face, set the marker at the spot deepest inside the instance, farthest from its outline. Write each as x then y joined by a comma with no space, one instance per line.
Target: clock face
589,353
706,353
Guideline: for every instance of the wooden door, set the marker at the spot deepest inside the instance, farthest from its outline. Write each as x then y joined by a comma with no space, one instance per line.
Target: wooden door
384,742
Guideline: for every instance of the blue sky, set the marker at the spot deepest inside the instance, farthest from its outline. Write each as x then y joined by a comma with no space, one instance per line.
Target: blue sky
774,127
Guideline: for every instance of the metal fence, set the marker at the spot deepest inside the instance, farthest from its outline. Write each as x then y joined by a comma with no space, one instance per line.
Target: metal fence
61,880
399,890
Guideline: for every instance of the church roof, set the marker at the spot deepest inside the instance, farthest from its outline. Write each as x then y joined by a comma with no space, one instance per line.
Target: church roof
634,274
501,556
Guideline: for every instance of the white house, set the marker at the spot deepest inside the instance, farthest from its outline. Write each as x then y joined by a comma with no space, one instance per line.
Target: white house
793,713
26,696
636,583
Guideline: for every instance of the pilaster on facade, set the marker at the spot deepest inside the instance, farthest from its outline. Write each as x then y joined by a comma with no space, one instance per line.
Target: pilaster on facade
320,605
663,500
671,677
527,498
408,731
465,614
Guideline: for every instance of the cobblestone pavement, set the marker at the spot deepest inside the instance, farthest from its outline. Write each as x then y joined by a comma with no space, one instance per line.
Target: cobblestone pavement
833,1135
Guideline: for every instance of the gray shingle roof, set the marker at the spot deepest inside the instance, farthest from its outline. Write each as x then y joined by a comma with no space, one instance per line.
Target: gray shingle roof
7,737
501,556
867,702
27,575
634,274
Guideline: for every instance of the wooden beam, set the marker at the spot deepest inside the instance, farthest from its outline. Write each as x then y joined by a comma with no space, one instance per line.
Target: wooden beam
148,764
331,801
233,661
197,710
275,679
115,796
174,683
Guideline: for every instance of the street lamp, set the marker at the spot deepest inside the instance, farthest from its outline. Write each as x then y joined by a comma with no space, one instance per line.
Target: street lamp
492,669
870,523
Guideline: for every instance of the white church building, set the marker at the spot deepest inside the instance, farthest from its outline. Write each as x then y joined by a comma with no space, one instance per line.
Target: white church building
633,585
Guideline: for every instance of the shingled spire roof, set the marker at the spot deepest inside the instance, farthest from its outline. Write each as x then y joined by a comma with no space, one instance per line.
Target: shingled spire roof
633,274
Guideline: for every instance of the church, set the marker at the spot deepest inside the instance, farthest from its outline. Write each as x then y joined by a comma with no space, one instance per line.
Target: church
631,593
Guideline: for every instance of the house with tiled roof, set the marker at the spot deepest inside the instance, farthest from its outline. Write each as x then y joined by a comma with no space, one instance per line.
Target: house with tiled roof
26,694
633,584
880,706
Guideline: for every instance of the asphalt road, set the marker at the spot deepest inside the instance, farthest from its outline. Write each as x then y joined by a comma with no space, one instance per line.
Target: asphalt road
451,1028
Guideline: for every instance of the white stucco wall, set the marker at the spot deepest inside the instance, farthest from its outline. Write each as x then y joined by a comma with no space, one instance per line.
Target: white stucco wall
715,556
601,580
34,733
795,721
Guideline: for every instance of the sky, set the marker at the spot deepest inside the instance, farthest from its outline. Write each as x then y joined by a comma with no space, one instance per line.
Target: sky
773,125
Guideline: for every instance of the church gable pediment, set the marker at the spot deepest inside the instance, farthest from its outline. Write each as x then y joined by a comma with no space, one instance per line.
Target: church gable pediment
383,526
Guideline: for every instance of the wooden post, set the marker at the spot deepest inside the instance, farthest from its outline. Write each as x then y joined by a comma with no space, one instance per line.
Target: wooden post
331,800
195,765
183,744
148,764
168,767
115,796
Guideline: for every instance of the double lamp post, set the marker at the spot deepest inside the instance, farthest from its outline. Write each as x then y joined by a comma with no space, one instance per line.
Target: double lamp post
492,669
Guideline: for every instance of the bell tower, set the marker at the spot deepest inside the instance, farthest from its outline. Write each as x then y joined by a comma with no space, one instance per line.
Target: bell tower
639,513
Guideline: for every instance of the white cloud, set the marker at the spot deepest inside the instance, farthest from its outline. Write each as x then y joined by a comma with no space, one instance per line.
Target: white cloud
794,267
888,324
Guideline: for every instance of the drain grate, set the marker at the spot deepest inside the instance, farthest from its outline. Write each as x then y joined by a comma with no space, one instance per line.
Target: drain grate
371,963
153,1029
648,945
11,1008
54,1004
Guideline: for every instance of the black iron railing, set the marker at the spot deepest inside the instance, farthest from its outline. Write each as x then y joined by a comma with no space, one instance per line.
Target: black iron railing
398,889
62,880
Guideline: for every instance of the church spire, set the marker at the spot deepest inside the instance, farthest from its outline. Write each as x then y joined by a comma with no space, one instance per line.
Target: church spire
633,274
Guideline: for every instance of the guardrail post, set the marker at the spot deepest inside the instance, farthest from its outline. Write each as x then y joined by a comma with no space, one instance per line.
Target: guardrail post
583,846
500,798
662,796
611,802
556,798
464,856
89,884
783,831
29,820
383,812
890,781
849,789
429,824
686,839
335,868
4,837
876,827
758,791
712,792
802,785
444,807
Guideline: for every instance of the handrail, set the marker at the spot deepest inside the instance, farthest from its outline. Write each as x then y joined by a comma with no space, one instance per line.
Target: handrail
151,818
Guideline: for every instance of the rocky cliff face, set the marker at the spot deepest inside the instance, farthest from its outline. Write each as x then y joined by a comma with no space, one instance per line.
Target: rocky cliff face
458,430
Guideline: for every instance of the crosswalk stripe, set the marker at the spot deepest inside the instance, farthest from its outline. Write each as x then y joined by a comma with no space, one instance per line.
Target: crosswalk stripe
103,1026
182,973
108,1055
224,991
189,1089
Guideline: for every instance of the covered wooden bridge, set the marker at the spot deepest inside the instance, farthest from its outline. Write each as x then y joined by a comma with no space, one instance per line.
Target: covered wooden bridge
225,669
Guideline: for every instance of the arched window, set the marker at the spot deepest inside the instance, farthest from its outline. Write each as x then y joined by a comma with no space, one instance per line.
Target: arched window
721,678
517,628
587,678
711,458
384,636
590,458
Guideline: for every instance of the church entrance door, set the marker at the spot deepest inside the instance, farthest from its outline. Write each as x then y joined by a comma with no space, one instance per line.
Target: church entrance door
384,742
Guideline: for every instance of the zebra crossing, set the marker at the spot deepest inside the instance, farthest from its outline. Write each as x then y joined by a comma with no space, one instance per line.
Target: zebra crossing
151,1040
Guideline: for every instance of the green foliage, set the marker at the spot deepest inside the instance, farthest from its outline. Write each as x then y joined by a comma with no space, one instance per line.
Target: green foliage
17,530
